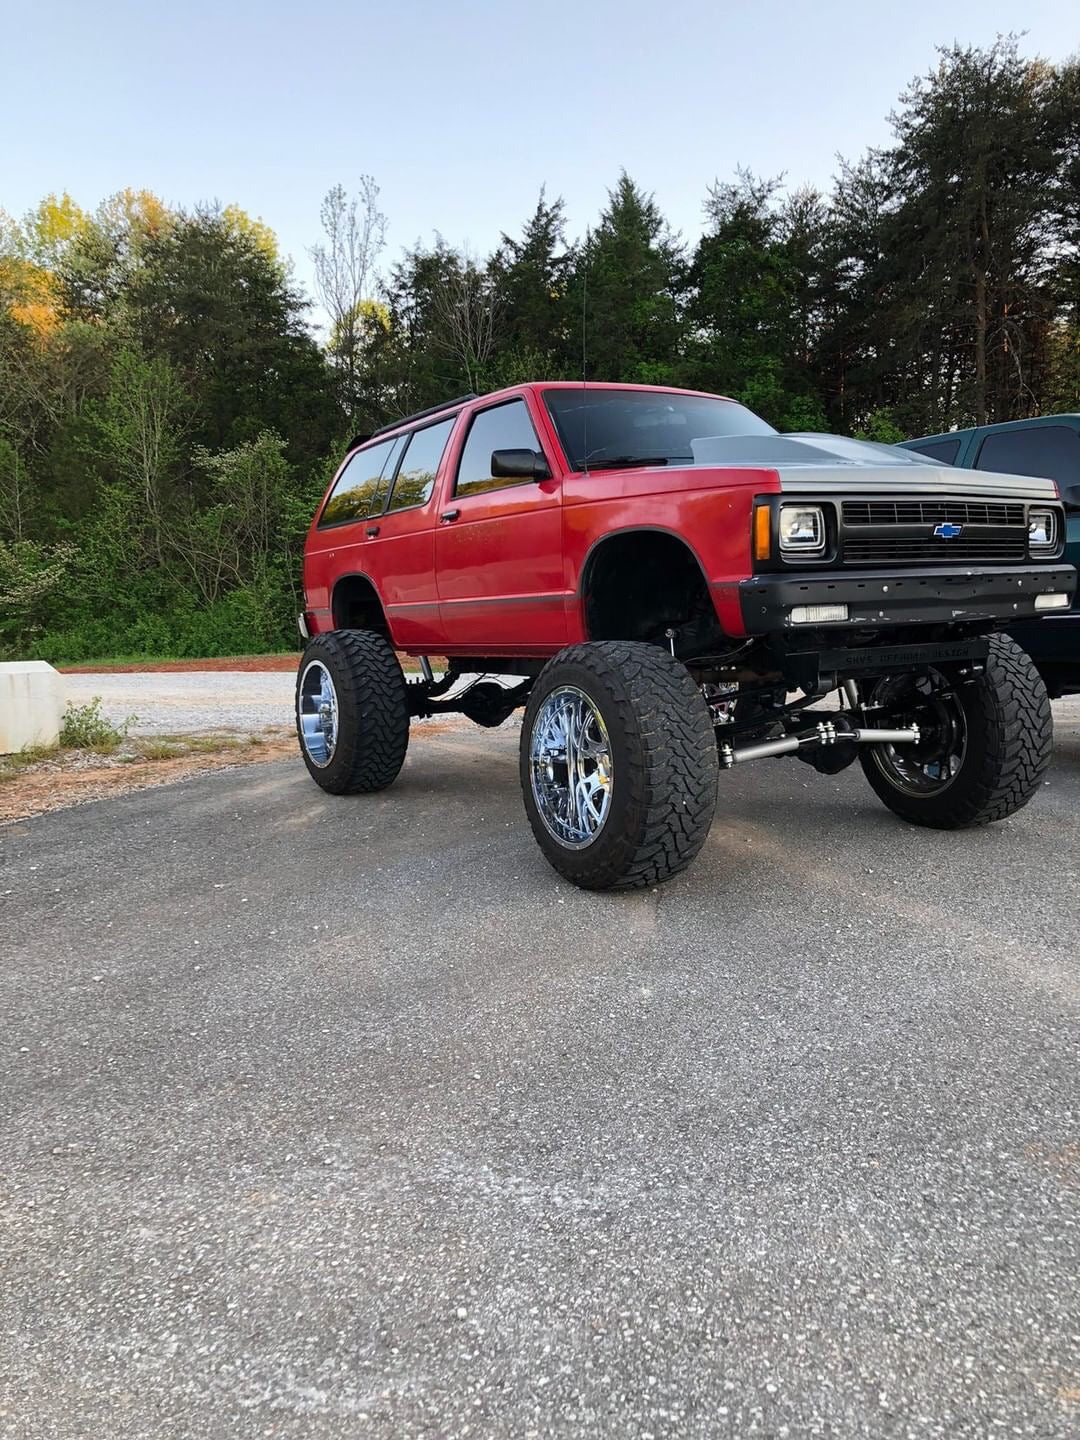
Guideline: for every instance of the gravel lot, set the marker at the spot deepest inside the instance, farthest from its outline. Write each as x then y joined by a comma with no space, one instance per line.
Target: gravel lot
240,702
233,701
345,1117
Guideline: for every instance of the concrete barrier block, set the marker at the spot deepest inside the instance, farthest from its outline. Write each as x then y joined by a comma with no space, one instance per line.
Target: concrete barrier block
31,705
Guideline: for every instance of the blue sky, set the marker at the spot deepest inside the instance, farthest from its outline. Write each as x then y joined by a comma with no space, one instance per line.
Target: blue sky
461,111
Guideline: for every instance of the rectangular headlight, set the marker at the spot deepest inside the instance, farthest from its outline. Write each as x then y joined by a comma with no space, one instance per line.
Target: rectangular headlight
1042,532
802,529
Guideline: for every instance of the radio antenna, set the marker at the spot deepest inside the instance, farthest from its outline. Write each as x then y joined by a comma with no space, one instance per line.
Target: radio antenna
584,389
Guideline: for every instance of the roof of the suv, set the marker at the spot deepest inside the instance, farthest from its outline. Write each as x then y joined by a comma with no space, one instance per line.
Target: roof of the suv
612,385
510,391
1069,418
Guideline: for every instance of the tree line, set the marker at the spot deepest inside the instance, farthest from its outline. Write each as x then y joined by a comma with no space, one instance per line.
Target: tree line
168,418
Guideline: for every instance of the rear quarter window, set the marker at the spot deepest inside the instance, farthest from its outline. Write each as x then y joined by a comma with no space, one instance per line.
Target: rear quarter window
1049,451
361,487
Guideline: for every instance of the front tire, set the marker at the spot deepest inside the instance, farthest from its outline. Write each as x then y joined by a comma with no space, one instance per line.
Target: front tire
987,741
618,765
352,712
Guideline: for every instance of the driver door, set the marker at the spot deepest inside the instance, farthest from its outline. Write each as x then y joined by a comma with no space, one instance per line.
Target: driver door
498,545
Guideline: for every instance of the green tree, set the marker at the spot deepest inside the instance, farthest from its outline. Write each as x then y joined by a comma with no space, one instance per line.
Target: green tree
236,539
210,300
30,574
421,360
354,230
752,300
1063,387
857,337
974,172
530,278
16,497
137,430
105,251
624,291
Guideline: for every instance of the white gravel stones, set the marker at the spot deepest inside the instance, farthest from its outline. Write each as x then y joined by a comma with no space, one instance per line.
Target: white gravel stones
235,702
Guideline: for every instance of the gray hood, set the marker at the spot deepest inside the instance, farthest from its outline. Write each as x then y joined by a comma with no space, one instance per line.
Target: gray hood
833,462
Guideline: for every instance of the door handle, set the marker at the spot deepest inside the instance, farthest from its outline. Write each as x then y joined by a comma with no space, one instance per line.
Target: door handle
372,531
448,515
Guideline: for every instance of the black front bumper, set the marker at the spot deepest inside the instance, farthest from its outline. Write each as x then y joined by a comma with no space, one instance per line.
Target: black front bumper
951,596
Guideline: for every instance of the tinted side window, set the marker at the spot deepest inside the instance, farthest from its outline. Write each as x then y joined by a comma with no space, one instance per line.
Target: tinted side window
378,500
944,450
1052,451
416,475
506,427
361,485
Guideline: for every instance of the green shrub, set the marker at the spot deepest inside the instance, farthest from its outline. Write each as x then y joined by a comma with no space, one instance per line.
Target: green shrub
254,619
84,727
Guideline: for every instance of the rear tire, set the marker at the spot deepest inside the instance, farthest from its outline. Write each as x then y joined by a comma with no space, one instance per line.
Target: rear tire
1000,747
641,762
352,712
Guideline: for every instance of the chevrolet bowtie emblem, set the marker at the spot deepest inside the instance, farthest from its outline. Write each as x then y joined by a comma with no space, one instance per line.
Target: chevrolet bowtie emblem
947,531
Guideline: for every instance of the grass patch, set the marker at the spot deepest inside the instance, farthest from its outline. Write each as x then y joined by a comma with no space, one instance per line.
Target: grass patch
87,732
43,780
103,661
12,765
153,749
84,727
199,744
172,747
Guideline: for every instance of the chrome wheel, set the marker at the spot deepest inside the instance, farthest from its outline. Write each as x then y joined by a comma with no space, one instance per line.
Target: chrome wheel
317,713
570,767
933,764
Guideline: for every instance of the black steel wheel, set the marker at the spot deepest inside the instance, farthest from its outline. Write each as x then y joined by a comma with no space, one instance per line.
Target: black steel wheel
985,740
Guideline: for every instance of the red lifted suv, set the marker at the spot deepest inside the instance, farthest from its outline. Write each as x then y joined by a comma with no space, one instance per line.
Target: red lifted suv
670,587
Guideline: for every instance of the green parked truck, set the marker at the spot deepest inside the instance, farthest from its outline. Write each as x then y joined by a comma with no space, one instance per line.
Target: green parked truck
1048,446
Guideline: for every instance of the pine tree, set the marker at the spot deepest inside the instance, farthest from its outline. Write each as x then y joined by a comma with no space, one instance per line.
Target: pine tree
974,172
625,286
751,301
530,278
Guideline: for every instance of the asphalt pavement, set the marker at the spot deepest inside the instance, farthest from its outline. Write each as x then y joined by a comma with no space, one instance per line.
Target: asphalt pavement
346,1117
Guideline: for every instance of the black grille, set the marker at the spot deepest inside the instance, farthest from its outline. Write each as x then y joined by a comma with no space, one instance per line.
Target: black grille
907,551
901,532
933,512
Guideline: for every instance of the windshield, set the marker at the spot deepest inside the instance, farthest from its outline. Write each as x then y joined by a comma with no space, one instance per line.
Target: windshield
642,427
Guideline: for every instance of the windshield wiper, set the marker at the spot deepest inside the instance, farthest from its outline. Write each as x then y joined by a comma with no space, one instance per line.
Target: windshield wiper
621,462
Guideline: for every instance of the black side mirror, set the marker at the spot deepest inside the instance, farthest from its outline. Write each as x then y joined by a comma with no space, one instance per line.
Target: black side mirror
1070,494
519,465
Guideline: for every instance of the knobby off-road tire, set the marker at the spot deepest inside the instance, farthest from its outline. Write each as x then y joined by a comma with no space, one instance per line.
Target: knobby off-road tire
371,729
651,723
1007,743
